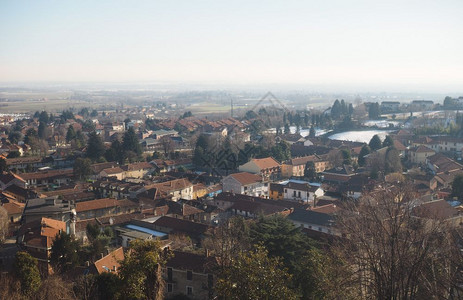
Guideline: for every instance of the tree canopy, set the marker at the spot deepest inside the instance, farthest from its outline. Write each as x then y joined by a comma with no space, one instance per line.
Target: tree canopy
64,252
27,271
255,275
95,146
375,143
141,270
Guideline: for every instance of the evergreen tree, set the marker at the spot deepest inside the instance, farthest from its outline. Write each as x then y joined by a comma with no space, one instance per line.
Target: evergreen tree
388,141
374,111
130,142
27,271
43,117
363,152
115,152
287,129
42,132
254,275
351,109
336,110
30,134
457,187
64,253
82,168
95,146
70,134
375,143
14,137
347,160
312,132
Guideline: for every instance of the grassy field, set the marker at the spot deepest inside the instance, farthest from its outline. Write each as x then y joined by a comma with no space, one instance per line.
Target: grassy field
208,108
25,102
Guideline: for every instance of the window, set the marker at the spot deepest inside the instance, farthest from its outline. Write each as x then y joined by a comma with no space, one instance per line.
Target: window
189,290
299,194
169,274
189,275
169,287
294,193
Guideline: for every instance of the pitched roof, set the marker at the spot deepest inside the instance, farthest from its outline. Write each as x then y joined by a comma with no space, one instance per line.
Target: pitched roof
443,163
110,262
13,208
180,225
189,261
171,185
97,168
102,203
266,163
138,166
422,149
48,174
305,159
8,177
399,146
276,187
439,209
113,170
301,186
312,217
246,178
326,209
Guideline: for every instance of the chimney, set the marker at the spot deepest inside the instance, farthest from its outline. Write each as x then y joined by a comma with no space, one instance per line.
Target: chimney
207,252
87,263
114,268
102,255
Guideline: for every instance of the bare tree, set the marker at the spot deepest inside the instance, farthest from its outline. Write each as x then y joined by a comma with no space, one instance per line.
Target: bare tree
228,240
393,254
3,224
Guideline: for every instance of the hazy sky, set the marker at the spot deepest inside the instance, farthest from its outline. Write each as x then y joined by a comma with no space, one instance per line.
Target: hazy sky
360,43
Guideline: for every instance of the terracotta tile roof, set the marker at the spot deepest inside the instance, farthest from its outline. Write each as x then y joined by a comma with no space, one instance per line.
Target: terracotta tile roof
246,178
110,263
81,225
60,225
444,164
20,160
138,166
113,170
303,160
399,146
439,209
102,203
171,185
47,174
326,209
422,149
13,208
266,163
97,168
